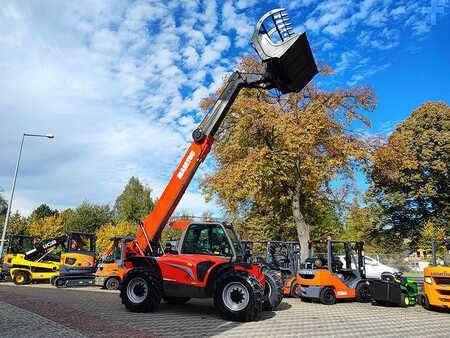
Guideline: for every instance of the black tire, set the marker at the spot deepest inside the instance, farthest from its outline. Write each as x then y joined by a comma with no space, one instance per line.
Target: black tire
425,302
273,293
21,278
362,293
52,280
176,300
60,282
112,284
226,297
404,300
141,290
295,290
327,296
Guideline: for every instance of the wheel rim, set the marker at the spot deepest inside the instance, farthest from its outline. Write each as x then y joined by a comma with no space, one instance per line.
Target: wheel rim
235,296
406,301
112,284
137,290
329,296
297,290
20,278
364,292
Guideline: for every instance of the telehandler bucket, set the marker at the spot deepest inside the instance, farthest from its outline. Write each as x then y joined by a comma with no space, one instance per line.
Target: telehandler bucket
288,56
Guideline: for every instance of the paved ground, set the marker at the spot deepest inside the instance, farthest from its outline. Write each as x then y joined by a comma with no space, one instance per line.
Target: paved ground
43,310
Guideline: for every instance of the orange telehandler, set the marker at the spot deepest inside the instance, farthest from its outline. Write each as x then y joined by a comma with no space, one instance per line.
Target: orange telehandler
210,260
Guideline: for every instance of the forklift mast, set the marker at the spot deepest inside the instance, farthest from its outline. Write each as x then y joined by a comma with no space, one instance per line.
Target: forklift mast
433,247
289,67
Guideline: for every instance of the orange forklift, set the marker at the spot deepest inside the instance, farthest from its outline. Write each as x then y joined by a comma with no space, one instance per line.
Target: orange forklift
111,268
335,274
210,262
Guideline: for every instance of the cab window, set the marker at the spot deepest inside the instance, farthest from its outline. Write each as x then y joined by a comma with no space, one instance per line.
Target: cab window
206,239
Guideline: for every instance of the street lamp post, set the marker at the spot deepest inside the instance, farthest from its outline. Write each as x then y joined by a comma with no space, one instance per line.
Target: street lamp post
14,185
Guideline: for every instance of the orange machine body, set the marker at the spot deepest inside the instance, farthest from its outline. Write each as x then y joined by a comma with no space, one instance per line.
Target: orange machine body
437,285
324,278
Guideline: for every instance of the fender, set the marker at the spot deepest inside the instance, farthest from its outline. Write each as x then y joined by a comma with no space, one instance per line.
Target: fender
149,262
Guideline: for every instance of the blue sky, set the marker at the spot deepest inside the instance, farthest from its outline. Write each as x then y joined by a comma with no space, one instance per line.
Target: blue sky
119,82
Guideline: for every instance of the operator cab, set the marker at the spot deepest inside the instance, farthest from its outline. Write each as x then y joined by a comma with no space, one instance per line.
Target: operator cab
213,239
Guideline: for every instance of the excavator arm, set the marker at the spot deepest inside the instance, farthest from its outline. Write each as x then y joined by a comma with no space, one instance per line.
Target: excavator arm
42,248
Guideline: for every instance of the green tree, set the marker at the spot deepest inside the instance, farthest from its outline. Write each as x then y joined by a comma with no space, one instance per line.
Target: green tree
409,173
279,153
42,211
134,203
88,217
3,206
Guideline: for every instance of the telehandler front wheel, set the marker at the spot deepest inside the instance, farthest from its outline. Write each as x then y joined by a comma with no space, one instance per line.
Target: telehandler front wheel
141,290
21,278
273,293
239,296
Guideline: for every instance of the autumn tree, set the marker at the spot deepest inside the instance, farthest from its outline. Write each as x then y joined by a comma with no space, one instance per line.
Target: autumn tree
88,217
134,203
109,230
279,153
46,227
427,232
409,173
17,224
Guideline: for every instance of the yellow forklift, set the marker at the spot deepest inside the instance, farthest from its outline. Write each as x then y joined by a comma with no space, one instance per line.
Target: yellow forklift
436,284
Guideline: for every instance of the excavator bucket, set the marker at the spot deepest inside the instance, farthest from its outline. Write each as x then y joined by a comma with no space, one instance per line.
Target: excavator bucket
288,56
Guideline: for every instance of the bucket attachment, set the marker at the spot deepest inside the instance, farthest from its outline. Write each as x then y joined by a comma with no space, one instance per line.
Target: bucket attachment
289,59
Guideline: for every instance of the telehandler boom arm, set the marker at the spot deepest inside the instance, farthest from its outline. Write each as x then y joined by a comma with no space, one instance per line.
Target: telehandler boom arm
149,233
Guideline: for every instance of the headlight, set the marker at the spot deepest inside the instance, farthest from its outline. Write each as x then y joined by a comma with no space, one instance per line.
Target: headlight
428,280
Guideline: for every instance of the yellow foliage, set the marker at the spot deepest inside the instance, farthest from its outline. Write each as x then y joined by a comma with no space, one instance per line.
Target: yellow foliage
47,227
109,230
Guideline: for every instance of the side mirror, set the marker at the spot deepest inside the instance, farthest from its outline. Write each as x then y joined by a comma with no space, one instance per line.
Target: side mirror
289,59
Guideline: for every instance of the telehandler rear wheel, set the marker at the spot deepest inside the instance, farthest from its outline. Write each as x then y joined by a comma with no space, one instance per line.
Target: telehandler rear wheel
273,293
239,296
21,278
141,290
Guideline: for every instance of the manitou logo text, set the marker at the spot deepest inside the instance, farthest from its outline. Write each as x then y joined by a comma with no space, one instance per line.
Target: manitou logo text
186,164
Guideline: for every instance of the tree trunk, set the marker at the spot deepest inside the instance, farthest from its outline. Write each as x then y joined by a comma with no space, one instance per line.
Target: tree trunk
302,227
